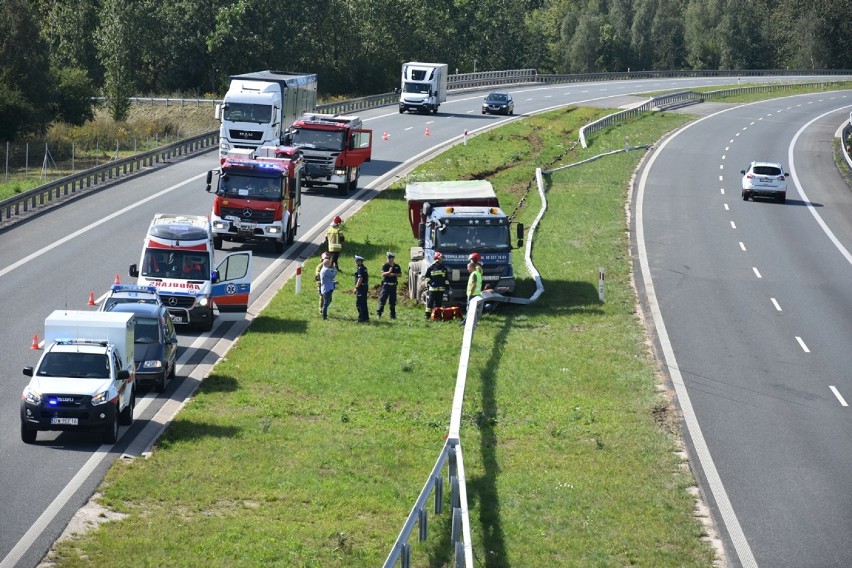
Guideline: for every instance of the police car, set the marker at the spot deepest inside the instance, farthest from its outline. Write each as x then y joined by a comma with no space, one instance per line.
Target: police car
130,293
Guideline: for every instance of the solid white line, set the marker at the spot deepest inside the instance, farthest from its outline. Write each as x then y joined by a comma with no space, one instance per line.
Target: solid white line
776,304
97,223
702,451
802,345
756,272
838,395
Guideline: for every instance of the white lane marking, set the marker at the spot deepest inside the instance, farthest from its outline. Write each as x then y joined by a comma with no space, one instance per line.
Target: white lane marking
731,141
721,166
722,189
756,272
838,395
727,148
721,178
776,304
802,345
409,128
702,451
724,156
97,223
727,208
733,225
742,246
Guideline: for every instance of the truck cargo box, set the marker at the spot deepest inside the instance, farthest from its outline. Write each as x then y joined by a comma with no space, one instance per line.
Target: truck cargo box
116,328
477,193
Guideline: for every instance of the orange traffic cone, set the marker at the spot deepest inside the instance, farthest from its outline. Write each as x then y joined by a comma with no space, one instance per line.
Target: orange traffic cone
427,131
385,135
35,342
117,280
92,298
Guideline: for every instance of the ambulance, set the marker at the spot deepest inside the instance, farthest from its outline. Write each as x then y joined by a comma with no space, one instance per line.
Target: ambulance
178,260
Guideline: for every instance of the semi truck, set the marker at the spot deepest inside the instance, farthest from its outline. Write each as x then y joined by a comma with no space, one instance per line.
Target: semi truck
457,218
258,197
424,87
334,148
177,258
85,378
260,106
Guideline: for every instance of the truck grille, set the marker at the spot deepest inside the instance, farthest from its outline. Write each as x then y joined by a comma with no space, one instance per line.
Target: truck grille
245,135
257,216
319,165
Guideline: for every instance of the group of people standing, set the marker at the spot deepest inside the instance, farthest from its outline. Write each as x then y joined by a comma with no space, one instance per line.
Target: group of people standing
437,279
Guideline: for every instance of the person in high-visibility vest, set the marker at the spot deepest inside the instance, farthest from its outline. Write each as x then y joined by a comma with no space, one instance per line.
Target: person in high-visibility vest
474,281
335,241
437,280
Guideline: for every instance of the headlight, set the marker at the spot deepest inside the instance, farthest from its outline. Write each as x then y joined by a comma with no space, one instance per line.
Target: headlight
273,230
339,172
204,301
152,365
220,225
31,396
224,146
100,398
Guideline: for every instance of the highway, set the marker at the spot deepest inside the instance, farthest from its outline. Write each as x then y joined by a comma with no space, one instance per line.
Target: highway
54,260
757,316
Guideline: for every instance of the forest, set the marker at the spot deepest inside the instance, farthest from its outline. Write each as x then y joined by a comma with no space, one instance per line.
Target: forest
56,55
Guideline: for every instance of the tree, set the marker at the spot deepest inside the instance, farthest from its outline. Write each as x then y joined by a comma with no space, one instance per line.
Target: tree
75,94
115,52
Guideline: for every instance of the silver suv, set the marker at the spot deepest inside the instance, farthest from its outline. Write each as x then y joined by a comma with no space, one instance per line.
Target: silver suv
765,179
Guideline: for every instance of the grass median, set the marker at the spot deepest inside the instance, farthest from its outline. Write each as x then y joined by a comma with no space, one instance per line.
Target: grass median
307,445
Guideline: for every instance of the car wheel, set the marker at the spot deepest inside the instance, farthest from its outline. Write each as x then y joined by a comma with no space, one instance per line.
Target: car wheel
207,324
28,435
160,385
782,198
745,196
512,111
483,112
125,417
111,431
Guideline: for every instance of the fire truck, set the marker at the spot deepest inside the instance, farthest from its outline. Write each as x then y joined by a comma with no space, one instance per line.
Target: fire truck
258,196
334,147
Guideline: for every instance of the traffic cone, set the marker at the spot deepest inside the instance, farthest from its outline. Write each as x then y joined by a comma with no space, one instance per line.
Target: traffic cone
92,299
117,280
427,131
385,135
35,342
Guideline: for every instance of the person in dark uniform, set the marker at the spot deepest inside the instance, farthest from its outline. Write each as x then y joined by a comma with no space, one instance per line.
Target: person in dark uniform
437,281
362,281
391,272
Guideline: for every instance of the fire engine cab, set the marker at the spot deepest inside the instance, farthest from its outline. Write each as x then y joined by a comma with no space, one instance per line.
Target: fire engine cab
334,147
258,196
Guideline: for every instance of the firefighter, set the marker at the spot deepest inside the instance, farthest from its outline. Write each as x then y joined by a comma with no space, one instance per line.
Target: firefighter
437,281
391,272
335,241
362,283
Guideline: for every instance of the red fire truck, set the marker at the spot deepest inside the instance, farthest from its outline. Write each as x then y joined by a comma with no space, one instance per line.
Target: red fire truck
334,147
258,197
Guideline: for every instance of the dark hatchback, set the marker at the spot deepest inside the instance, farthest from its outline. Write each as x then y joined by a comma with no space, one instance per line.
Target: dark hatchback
155,343
498,103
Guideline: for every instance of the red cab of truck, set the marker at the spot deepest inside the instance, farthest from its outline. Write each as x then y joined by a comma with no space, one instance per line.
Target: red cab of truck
258,196
334,148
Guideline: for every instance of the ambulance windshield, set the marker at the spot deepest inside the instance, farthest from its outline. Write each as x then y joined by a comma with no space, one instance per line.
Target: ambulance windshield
181,264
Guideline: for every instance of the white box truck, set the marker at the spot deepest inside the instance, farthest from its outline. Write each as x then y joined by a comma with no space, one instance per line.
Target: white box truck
86,377
424,87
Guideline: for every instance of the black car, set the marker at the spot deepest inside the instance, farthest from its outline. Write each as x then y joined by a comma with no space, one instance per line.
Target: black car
155,343
498,103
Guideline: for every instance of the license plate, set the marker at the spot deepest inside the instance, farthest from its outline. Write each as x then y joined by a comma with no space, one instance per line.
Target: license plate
177,319
232,218
248,227
65,421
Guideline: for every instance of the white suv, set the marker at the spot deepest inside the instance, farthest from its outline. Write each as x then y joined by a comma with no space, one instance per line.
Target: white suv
765,179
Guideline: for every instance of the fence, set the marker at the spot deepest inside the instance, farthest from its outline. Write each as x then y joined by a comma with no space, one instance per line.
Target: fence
75,184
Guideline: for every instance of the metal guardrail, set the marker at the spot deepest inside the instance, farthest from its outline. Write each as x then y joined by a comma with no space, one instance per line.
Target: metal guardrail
674,100
632,75
76,184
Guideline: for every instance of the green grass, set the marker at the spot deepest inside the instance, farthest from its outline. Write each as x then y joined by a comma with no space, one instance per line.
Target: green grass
309,443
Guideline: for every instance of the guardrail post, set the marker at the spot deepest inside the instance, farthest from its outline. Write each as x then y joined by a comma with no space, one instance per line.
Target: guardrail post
455,537
405,556
459,555
455,494
422,524
439,495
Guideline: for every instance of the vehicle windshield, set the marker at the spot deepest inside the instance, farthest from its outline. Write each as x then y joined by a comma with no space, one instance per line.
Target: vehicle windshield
464,238
75,365
246,186
496,98
110,303
247,112
182,264
318,139
147,331
416,88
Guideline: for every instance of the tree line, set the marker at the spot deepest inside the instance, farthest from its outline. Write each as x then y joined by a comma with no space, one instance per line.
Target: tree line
55,55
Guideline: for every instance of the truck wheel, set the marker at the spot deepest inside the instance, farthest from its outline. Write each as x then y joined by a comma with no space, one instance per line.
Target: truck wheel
278,244
28,435
353,185
401,110
125,417
111,431
217,243
343,188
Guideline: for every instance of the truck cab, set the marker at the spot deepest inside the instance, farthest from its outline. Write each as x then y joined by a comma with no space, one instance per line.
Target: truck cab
178,259
334,147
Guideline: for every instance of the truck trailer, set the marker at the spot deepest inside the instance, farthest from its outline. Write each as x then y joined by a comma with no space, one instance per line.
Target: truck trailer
260,106
457,218
424,87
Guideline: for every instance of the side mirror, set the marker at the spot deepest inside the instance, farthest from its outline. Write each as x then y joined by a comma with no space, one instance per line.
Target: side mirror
742,172
214,276
133,271
28,371
396,90
123,375
209,179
